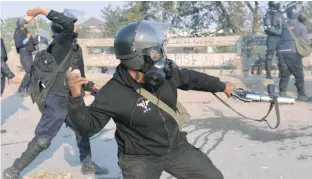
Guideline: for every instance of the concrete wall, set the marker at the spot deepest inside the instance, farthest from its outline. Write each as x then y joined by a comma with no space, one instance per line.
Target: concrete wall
183,60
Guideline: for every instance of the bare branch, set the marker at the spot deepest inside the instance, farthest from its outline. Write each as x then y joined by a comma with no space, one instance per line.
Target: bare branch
228,17
250,6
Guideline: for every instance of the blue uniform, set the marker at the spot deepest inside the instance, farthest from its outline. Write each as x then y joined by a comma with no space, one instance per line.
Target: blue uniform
25,47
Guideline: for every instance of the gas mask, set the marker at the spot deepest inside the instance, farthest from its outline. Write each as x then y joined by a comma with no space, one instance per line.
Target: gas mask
157,69
140,47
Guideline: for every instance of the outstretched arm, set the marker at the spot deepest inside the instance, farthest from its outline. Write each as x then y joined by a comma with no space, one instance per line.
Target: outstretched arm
54,16
193,80
65,37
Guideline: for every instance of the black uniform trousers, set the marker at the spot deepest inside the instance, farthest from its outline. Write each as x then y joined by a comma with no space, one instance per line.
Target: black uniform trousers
291,63
54,114
186,162
271,43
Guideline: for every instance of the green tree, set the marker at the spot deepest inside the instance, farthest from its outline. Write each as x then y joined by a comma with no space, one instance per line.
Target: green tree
113,18
134,12
162,10
307,11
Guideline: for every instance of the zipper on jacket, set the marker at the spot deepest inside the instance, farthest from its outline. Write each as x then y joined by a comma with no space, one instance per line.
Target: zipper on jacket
164,120
169,136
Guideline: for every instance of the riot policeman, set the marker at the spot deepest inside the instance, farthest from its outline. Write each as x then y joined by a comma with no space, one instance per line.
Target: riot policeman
289,60
25,44
273,22
54,110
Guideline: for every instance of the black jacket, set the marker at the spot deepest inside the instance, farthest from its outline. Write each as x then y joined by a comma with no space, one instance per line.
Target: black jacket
62,43
5,70
142,128
60,46
287,43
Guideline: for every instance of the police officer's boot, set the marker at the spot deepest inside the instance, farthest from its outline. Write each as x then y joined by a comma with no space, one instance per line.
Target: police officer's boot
259,71
301,92
302,96
35,147
282,94
252,70
88,167
268,75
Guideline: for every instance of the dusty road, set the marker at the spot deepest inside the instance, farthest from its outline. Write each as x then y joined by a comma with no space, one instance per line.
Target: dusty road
240,148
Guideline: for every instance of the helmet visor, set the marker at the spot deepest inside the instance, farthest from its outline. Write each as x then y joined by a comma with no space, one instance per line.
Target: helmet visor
150,35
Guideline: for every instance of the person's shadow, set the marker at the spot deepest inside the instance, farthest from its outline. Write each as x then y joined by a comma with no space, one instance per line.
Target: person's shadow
11,105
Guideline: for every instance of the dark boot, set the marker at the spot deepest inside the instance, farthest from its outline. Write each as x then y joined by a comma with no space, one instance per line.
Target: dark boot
282,94
88,167
302,96
35,147
303,99
11,173
301,91
268,76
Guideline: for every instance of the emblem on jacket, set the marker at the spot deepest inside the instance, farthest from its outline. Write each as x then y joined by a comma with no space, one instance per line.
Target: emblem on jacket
144,104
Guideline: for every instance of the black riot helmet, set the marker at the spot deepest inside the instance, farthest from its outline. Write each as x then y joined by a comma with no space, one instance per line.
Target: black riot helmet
292,13
274,5
20,22
302,18
140,47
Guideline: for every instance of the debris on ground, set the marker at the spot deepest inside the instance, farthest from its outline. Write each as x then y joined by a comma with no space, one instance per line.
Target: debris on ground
49,175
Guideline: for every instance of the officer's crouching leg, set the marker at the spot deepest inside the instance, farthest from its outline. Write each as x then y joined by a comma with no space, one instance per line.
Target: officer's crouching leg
83,143
140,167
35,147
190,162
50,123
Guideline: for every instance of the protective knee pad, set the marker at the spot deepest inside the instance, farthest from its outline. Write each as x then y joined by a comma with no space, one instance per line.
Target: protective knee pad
43,142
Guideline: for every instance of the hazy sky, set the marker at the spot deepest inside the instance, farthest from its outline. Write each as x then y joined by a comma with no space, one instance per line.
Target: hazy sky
90,8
